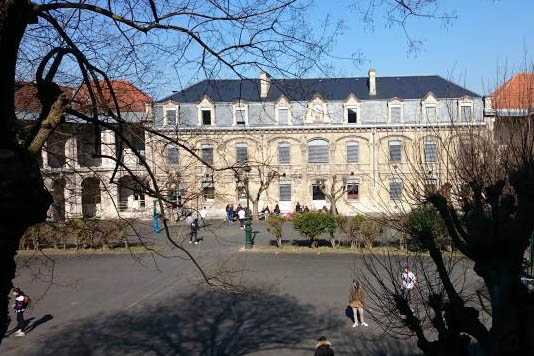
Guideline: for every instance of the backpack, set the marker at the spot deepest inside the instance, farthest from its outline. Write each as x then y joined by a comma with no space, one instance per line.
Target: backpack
27,302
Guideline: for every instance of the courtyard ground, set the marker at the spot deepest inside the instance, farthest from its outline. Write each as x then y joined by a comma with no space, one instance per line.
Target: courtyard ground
150,304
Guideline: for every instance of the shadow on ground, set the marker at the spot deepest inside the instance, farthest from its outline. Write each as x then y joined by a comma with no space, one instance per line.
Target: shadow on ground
209,323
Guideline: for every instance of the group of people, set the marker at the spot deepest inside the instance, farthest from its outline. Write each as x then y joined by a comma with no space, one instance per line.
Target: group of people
301,209
357,303
238,214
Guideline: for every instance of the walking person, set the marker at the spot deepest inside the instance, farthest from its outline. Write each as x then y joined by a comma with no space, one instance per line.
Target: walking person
21,302
203,215
357,302
194,231
322,348
408,283
228,219
241,214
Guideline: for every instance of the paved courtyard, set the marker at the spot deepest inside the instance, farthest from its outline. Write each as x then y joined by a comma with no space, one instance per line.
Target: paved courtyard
147,304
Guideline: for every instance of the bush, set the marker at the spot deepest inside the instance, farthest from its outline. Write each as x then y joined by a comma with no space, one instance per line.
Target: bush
425,226
80,233
313,224
351,227
275,223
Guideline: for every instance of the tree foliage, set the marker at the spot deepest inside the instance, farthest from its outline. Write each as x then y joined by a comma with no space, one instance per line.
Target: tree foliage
314,224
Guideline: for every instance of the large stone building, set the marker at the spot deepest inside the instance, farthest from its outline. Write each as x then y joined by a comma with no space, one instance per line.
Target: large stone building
361,140
307,138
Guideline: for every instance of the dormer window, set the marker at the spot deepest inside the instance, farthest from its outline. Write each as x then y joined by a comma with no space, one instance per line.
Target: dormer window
351,110
429,106
466,113
465,109
318,113
170,117
352,115
431,114
206,117
206,112
283,111
395,114
240,114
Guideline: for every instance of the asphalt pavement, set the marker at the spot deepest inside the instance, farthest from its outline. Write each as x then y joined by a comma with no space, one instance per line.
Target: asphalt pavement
157,304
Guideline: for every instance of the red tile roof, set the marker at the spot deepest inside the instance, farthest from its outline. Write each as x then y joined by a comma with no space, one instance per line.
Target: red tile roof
516,93
129,97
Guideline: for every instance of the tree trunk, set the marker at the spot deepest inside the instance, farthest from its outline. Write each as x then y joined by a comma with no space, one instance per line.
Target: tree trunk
255,209
279,242
21,183
24,201
510,323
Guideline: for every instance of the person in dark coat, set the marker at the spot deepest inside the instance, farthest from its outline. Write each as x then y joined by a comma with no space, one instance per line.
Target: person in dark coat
323,347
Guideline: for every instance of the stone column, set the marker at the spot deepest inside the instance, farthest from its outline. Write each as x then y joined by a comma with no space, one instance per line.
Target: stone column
73,197
107,147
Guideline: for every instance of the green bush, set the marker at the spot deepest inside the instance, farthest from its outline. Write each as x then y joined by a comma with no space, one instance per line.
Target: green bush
351,227
313,224
275,223
425,227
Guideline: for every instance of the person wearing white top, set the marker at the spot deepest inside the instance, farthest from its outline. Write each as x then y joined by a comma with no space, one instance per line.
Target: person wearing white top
203,214
241,215
408,282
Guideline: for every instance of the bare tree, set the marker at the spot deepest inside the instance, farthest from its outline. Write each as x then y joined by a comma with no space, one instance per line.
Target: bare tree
480,189
333,192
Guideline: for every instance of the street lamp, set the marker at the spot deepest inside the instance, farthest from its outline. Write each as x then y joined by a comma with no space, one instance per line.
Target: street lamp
248,228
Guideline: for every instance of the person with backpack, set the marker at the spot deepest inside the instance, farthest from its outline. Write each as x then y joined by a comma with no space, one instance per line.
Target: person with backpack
22,301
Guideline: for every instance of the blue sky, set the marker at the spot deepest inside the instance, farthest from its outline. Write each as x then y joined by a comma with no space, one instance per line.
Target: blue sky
473,50
486,37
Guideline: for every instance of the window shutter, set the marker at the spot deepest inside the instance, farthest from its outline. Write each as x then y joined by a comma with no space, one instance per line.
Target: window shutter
318,151
284,155
430,151
395,190
283,116
241,153
172,154
352,152
207,153
430,112
396,114
395,154
171,117
285,191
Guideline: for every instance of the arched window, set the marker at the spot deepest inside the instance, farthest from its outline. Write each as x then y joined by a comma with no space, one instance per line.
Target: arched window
318,151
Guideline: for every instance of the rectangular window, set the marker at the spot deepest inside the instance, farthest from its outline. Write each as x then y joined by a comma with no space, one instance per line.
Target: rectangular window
170,117
206,117
352,152
206,152
208,193
352,116
395,114
353,190
284,153
395,154
465,113
283,116
285,191
431,114
172,154
241,153
317,193
431,153
395,190
240,117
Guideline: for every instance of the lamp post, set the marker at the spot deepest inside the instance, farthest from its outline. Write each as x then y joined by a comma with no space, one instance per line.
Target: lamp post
248,227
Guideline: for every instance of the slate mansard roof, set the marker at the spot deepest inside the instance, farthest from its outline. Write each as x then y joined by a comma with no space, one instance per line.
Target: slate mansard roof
409,87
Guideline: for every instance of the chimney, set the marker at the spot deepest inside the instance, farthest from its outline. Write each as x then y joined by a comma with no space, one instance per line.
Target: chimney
372,81
265,84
